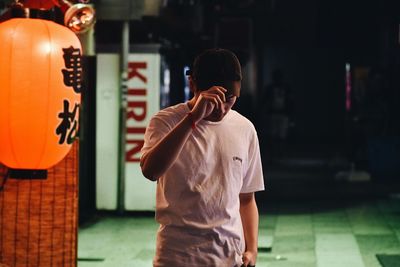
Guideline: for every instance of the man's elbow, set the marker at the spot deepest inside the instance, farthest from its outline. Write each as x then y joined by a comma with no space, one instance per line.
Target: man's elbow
147,171
148,174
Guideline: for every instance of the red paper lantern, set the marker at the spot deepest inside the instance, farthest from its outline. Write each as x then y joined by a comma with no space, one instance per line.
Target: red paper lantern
40,84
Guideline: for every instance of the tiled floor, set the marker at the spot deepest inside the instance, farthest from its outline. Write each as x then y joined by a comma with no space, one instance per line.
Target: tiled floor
308,234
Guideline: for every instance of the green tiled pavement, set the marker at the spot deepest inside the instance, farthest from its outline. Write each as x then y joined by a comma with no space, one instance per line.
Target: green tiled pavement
308,234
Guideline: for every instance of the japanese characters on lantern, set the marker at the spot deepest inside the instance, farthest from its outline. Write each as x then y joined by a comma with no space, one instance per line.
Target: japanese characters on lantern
67,129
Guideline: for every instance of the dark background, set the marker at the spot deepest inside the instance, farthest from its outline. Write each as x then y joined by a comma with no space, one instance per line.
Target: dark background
310,42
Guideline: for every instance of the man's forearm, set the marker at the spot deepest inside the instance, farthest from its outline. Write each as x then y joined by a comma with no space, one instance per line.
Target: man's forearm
158,159
250,217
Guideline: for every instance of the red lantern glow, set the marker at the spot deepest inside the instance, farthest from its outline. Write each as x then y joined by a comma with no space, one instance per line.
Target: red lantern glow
39,4
40,83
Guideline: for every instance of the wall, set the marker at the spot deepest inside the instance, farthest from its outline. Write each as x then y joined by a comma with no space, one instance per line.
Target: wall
38,218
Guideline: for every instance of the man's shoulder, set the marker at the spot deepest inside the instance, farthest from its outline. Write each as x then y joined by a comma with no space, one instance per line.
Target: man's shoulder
172,111
241,120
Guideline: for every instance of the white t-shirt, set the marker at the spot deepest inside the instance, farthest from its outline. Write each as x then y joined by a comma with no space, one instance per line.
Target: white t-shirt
198,197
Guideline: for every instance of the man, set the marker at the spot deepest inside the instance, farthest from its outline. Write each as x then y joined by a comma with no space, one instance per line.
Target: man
205,158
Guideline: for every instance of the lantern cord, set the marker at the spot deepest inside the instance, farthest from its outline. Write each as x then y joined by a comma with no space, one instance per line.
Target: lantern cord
3,182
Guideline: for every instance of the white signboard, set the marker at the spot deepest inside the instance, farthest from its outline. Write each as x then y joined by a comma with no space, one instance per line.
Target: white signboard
143,100
107,130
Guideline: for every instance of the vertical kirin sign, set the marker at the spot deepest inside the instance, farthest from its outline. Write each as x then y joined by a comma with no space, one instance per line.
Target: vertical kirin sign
143,101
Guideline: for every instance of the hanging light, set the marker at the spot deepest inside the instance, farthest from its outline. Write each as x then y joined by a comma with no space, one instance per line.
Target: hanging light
78,17
40,85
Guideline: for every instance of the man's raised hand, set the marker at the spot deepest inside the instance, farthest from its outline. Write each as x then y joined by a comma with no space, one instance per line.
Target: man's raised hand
207,101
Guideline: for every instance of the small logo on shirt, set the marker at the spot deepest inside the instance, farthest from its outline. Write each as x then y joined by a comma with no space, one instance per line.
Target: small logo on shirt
237,158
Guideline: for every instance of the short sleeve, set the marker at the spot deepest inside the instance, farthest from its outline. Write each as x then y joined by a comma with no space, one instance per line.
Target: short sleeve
253,176
155,131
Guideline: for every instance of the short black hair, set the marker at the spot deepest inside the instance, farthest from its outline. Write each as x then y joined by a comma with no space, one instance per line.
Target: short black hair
215,66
